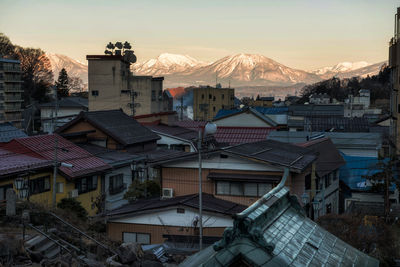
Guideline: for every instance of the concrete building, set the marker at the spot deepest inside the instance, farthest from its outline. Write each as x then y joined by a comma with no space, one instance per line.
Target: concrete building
10,92
394,64
112,86
319,99
207,101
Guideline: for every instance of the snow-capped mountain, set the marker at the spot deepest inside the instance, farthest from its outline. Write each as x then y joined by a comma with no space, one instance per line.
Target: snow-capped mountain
341,67
166,64
73,67
349,69
369,70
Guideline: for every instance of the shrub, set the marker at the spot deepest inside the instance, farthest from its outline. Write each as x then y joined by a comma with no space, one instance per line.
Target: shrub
74,206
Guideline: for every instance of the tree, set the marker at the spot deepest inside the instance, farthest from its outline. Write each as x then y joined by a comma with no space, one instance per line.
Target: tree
138,190
62,84
75,84
6,47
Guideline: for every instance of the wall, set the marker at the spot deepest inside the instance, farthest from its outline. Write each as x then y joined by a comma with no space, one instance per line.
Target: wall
214,104
117,200
46,115
45,198
108,77
166,140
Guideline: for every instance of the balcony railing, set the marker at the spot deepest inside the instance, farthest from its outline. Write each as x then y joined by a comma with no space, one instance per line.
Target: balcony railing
10,69
12,78
8,98
12,88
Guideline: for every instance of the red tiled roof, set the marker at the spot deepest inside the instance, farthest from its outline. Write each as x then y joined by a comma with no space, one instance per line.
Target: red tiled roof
11,162
175,92
42,146
232,135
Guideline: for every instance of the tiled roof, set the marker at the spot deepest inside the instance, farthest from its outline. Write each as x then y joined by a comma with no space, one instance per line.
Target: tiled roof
316,110
121,127
275,232
42,146
232,135
174,130
329,158
275,152
9,132
240,135
16,162
337,124
210,203
254,111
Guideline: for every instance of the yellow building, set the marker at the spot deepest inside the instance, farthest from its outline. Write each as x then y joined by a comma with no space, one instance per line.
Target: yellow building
32,159
207,101
394,64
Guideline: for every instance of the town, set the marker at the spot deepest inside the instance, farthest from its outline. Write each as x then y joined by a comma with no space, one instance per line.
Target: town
126,171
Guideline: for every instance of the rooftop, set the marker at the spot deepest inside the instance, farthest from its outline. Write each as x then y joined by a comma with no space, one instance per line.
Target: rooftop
43,146
121,127
276,153
210,203
9,132
275,232
337,124
68,103
313,110
254,111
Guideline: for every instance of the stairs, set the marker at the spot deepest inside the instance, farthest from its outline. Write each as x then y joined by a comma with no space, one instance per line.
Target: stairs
41,245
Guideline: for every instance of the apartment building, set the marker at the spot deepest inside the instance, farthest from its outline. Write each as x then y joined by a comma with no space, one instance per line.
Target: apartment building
113,86
394,64
10,92
207,101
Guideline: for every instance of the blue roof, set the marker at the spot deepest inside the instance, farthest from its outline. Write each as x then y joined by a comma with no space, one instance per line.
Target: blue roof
9,60
8,132
355,170
263,110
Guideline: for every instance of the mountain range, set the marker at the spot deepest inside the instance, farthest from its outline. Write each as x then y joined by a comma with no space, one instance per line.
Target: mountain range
240,70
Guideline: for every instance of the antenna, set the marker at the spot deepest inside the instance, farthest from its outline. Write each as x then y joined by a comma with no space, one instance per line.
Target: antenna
216,78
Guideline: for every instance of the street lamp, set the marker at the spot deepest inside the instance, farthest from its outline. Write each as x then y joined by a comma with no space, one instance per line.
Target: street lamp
209,128
21,184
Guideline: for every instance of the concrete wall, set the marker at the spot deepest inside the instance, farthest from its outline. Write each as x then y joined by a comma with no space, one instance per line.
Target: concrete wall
114,201
212,100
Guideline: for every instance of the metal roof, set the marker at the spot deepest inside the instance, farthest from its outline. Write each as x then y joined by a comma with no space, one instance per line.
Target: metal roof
337,124
341,140
275,232
12,162
121,127
254,111
9,132
174,130
43,146
210,203
274,152
240,135
314,110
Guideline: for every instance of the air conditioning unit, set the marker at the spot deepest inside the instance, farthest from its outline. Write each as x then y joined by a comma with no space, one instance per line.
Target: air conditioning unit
167,192
73,193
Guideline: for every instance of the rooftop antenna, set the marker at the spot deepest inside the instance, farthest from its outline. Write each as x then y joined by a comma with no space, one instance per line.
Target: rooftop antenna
216,78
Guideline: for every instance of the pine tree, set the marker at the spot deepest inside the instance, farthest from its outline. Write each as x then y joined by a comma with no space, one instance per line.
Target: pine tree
62,84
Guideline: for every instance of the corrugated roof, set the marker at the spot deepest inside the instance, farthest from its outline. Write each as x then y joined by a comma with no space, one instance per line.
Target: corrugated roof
275,232
174,130
210,203
337,124
9,132
16,162
275,152
316,110
121,127
43,146
240,135
329,158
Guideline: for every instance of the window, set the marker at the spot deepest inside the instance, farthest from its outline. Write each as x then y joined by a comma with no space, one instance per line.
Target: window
242,189
209,96
327,180
223,96
95,92
202,96
153,95
59,187
213,108
116,184
178,147
39,185
86,184
180,210
141,238
214,98
3,191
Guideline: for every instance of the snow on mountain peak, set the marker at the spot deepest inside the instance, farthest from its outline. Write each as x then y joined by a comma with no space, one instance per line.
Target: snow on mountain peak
341,67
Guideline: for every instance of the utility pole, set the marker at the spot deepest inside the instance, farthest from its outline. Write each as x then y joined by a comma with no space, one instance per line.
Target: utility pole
55,148
200,194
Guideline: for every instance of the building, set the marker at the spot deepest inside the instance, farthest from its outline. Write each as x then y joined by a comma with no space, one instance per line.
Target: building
207,101
240,173
11,97
247,117
351,144
278,115
8,132
81,180
154,221
112,129
275,232
264,101
394,65
112,86
319,99
68,109
326,187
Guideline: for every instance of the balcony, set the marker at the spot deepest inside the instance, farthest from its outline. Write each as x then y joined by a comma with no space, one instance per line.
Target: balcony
12,79
10,69
8,98
12,88
14,117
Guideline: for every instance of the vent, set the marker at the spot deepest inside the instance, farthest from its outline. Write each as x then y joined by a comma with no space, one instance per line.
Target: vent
167,193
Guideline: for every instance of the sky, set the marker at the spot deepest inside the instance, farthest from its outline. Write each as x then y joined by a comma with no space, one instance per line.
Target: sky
301,34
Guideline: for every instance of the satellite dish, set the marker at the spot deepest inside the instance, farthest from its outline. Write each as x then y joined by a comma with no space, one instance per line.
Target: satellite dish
110,46
129,56
117,52
127,45
107,52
